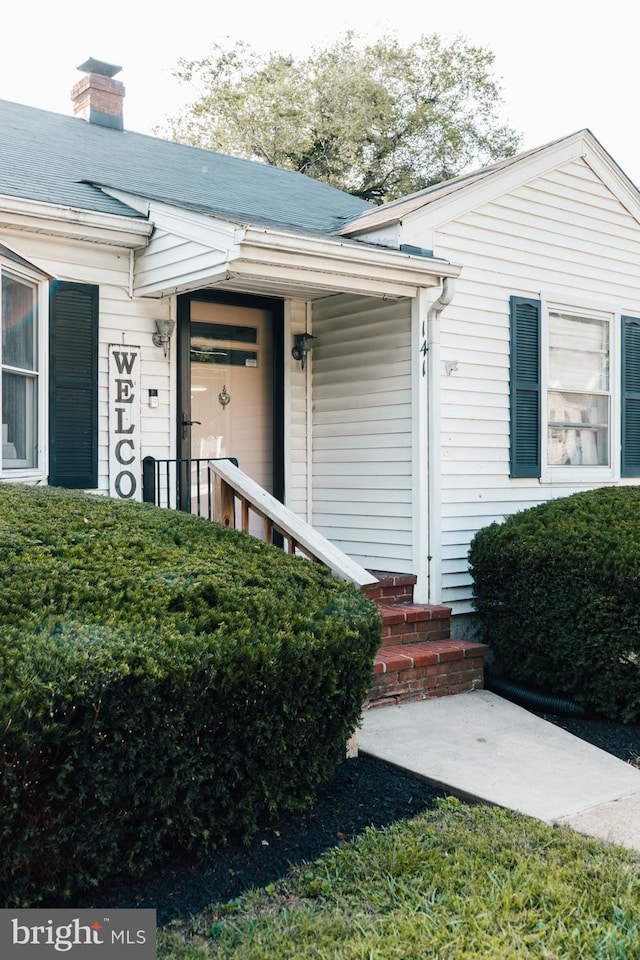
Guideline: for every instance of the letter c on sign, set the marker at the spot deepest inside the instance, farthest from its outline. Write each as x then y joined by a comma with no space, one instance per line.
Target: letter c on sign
119,456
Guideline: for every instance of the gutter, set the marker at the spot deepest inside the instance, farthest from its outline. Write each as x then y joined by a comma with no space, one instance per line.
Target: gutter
281,245
36,216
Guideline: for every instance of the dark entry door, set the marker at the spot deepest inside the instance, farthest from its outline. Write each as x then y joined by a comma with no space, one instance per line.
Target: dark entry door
231,374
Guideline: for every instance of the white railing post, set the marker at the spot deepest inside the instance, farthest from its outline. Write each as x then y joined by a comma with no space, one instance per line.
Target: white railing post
275,516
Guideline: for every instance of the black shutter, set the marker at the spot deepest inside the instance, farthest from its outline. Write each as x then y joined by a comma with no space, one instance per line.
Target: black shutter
73,385
630,453
525,458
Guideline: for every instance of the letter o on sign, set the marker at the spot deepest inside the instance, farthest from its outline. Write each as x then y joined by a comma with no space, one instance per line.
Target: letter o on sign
125,484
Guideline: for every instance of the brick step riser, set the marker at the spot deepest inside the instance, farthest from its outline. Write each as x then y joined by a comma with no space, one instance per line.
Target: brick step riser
414,623
392,588
387,595
416,632
435,669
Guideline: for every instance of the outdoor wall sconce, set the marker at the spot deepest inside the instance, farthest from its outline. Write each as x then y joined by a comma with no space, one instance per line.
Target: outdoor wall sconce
162,336
301,346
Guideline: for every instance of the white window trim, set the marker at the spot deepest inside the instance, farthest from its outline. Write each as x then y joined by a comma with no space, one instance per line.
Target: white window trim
41,471
576,475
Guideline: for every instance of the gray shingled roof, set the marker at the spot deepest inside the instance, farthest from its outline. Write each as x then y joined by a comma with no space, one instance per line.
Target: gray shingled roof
57,159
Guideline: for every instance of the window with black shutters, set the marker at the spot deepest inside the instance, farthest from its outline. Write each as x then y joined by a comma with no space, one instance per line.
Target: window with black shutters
575,392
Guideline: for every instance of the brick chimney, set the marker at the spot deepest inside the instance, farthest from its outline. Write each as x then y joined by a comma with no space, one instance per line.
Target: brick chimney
98,97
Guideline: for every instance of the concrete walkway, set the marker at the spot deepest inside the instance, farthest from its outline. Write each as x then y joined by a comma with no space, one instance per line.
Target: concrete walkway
482,747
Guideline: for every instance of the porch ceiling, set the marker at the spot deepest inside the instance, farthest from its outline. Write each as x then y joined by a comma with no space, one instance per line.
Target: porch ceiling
262,287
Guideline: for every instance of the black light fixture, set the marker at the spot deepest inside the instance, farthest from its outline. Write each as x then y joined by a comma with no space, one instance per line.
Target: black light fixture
162,336
301,346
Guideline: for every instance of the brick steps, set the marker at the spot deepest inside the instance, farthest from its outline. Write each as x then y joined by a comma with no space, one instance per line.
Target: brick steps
418,659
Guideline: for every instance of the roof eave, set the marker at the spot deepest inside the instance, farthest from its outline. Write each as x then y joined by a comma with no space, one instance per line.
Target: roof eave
71,223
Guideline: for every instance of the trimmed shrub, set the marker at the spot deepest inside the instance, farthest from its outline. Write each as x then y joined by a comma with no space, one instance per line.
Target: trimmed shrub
166,684
557,588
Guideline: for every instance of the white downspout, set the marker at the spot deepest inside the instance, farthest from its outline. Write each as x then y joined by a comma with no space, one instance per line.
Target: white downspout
434,451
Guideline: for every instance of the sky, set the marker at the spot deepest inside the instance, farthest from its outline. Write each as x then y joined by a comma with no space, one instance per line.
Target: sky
563,64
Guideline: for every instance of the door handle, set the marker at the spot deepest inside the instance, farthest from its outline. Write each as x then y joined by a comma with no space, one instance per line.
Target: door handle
186,424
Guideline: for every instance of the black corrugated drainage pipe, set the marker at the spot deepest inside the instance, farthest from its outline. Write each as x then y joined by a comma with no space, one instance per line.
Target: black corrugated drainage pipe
541,702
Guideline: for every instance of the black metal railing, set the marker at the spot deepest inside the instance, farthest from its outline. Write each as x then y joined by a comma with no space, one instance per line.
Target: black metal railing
180,484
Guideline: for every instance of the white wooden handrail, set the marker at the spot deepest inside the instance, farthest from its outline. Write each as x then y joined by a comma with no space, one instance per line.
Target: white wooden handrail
300,535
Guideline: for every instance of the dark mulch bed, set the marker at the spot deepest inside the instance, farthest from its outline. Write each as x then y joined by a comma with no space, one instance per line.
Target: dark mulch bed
365,792
622,740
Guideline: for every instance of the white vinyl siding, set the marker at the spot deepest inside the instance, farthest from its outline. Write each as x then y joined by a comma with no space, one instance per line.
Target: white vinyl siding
172,261
362,429
168,260
562,237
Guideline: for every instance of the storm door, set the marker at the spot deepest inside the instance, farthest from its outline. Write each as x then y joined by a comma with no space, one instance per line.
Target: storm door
231,389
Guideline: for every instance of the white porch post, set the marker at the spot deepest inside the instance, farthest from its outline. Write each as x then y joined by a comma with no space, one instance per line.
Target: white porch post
420,441
286,362
427,498
434,456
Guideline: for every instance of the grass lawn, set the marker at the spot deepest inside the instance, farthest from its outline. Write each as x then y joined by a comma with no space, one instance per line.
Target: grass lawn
456,882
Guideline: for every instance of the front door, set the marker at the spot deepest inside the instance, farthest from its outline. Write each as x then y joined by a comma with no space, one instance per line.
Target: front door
230,385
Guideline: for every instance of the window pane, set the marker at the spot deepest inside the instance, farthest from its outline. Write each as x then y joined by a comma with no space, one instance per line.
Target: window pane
578,353
19,412
578,409
19,321
578,398
578,429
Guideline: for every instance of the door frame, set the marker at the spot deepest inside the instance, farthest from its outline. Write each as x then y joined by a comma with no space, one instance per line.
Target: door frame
276,308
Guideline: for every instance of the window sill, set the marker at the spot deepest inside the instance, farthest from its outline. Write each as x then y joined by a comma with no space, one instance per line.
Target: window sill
577,475
22,475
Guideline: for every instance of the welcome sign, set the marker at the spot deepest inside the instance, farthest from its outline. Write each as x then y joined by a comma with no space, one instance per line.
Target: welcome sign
81,934
124,422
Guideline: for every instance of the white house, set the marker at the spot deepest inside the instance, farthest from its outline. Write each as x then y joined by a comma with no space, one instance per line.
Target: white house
474,345
536,360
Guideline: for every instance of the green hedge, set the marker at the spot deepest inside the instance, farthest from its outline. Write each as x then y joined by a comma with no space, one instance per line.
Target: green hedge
165,684
558,590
